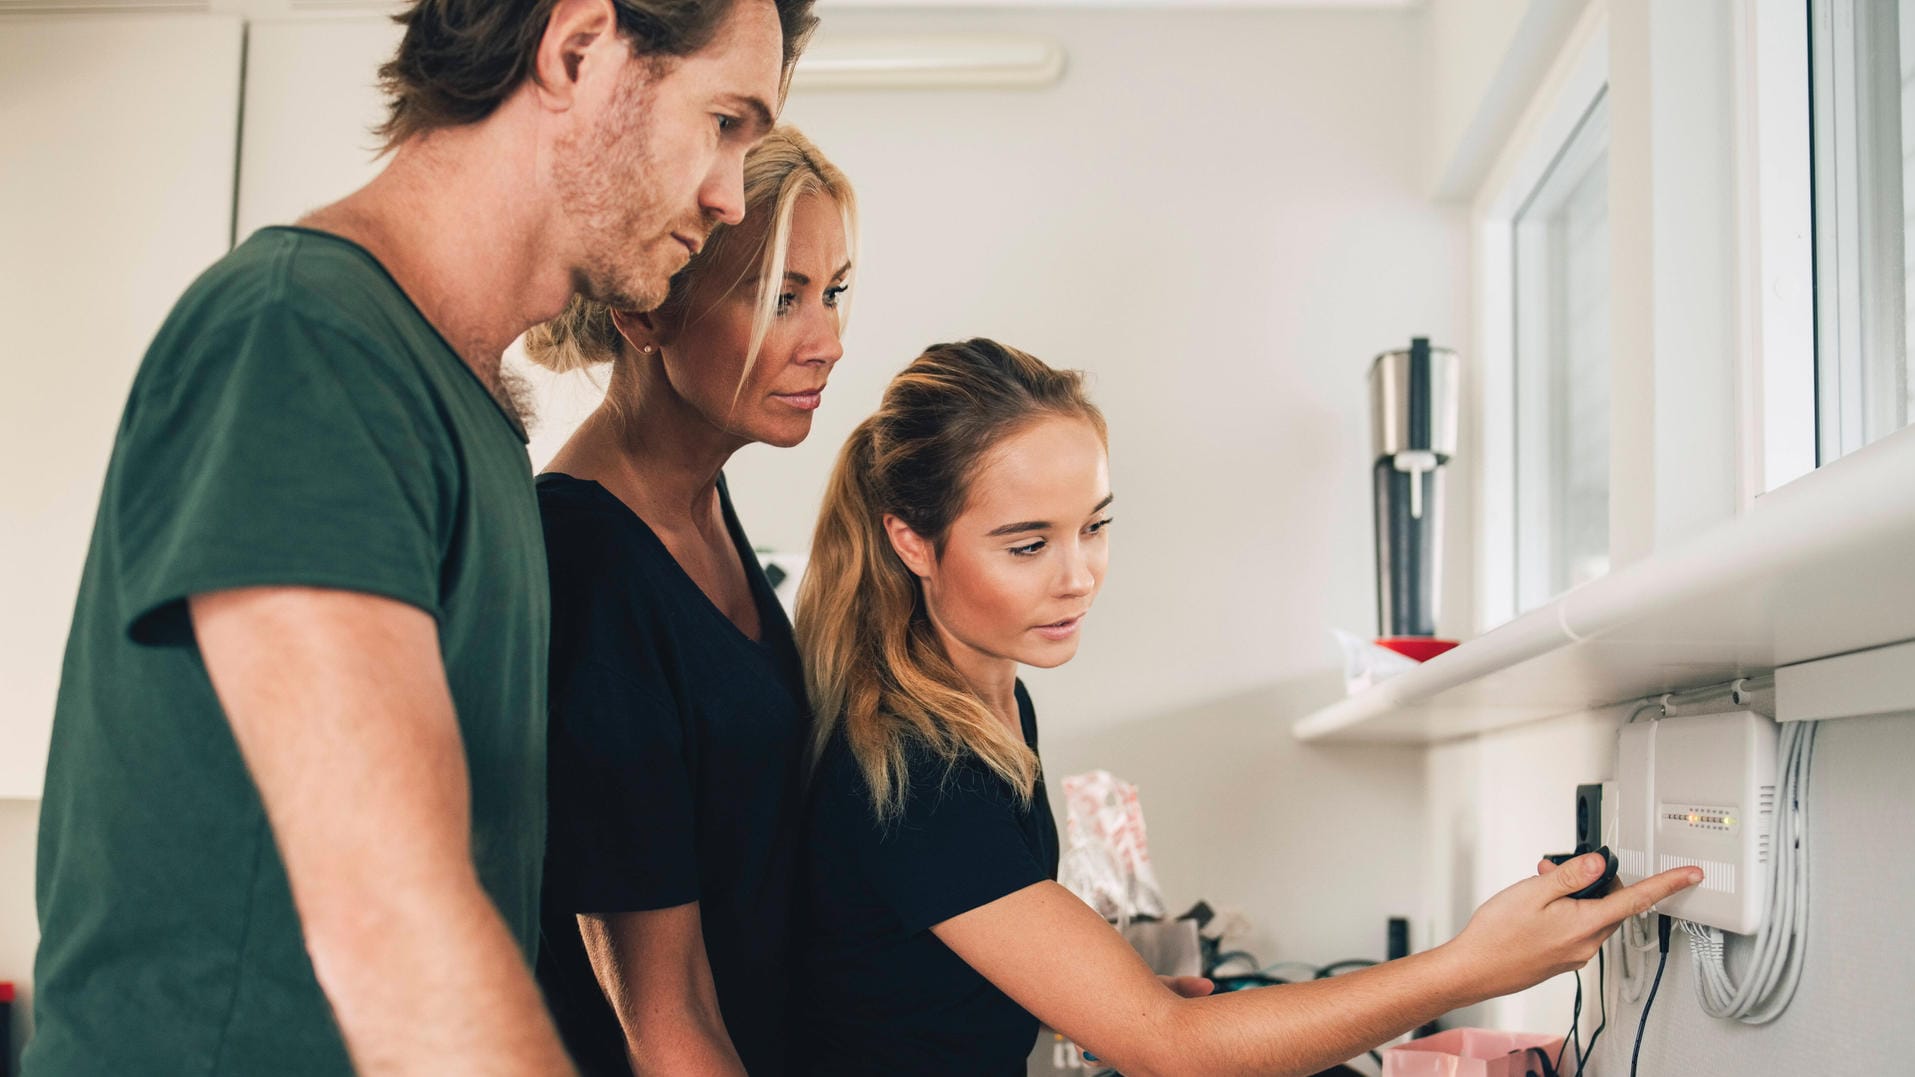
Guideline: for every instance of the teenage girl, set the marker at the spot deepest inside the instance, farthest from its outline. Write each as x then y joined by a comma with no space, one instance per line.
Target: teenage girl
965,533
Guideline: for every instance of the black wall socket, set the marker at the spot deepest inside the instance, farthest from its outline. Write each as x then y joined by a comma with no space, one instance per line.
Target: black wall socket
1588,816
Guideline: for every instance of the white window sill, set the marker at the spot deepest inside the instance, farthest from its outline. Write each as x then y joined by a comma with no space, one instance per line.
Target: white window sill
1823,566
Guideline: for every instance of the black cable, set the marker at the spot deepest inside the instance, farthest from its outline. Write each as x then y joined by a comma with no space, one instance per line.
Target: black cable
1575,1026
1602,992
1663,924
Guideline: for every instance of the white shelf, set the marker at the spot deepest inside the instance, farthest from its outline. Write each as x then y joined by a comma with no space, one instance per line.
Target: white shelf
1823,566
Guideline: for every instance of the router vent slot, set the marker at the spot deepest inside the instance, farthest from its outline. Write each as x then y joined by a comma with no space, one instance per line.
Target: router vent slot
1716,875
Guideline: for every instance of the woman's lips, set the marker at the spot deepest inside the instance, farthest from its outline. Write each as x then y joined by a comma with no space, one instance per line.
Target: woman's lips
802,401
1060,630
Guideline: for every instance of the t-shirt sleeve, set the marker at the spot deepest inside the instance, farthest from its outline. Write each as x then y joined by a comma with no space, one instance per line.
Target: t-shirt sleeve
275,450
957,846
622,819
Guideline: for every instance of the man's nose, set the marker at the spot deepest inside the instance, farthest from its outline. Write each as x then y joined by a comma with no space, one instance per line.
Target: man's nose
722,198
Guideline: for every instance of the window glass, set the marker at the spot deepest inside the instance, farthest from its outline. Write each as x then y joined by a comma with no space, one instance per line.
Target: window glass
1561,262
1862,85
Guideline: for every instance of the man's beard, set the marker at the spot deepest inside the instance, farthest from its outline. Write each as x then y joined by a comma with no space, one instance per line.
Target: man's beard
515,396
605,183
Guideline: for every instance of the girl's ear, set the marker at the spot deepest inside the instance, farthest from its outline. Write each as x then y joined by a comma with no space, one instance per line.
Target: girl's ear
916,551
640,329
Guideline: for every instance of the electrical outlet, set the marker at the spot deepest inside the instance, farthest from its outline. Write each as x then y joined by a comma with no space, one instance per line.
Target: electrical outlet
1589,816
1700,791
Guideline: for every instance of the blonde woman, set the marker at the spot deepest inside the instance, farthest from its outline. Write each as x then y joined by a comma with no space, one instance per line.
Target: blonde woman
678,712
966,532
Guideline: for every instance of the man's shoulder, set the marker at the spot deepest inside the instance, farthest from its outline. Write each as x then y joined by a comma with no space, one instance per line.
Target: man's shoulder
304,276
293,282
291,303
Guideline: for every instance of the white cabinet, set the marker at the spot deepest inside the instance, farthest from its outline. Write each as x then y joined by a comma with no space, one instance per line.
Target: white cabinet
117,139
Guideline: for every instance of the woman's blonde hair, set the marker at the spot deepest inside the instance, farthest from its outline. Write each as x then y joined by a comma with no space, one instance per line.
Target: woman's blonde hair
779,170
873,663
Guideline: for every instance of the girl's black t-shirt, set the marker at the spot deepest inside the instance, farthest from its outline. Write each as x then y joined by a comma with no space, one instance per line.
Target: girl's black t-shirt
875,992
676,747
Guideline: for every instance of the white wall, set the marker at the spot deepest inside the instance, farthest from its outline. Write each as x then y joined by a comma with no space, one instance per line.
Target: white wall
1220,215
1485,59
1496,804
1497,801
1504,798
117,191
1215,214
1317,845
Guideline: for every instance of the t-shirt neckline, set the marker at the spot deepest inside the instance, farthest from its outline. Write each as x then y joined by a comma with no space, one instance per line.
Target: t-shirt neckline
513,421
765,600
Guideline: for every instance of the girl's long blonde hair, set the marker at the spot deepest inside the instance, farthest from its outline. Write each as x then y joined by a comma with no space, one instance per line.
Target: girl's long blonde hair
779,170
873,663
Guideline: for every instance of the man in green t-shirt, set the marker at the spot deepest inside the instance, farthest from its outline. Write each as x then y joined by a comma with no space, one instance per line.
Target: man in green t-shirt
295,806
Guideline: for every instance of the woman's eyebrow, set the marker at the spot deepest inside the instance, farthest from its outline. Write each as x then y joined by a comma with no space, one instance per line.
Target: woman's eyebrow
1041,525
801,279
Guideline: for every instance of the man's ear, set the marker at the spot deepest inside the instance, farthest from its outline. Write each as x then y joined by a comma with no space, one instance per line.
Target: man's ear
640,329
916,551
575,34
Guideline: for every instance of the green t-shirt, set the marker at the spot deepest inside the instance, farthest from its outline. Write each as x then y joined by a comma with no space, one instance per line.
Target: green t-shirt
296,421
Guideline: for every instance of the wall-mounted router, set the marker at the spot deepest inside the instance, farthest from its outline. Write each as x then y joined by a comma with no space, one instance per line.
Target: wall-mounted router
1700,791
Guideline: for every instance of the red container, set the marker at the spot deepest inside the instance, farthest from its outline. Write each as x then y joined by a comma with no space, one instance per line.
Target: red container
1419,648
6,1029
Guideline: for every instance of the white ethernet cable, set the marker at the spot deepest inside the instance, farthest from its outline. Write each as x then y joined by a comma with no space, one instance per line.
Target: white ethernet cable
1634,944
1775,966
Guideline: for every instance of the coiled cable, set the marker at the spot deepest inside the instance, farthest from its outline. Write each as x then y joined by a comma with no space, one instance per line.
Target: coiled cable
1775,965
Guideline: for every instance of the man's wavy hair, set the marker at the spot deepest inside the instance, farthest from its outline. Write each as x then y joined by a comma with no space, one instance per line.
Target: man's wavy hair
460,59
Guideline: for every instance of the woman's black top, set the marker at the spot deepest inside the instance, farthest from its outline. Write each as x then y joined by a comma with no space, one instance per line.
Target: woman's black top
674,770
875,991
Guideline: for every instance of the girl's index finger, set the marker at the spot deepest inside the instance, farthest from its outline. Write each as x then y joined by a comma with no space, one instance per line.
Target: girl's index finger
1644,896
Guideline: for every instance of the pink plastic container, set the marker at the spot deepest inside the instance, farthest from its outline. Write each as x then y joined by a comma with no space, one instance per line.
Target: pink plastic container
1476,1052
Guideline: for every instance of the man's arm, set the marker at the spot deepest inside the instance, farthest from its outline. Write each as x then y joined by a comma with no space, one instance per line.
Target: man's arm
340,706
653,968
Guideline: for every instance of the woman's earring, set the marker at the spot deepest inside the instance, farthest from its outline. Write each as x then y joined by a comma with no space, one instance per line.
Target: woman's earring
647,349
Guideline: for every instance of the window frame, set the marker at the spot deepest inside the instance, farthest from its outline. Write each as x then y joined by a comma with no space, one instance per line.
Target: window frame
1576,82
1776,246
1538,373
1861,274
